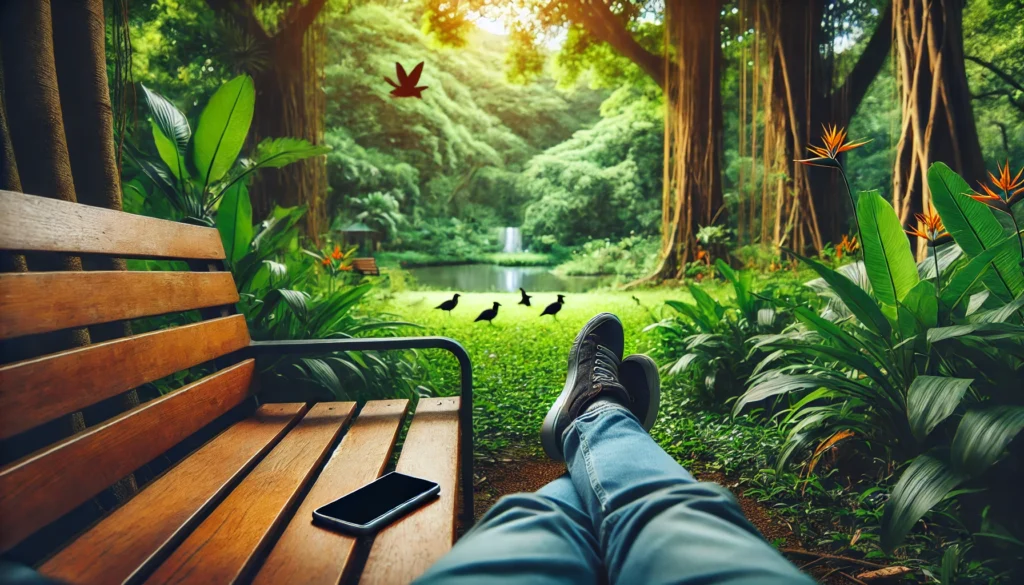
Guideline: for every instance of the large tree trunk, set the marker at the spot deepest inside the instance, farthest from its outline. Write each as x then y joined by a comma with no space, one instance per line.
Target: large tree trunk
80,55
693,130
808,99
938,121
289,103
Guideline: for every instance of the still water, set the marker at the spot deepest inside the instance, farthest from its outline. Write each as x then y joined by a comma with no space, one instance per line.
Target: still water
490,278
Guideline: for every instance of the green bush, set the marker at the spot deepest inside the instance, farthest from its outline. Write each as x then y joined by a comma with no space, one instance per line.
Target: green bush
629,258
910,363
706,346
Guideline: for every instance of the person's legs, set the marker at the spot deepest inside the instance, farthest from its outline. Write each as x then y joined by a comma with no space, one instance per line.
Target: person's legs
544,537
654,522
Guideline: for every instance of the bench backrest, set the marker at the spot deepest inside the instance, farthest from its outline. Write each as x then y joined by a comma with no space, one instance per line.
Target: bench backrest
41,487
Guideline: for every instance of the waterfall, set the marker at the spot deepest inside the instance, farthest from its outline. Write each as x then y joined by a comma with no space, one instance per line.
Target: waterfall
513,240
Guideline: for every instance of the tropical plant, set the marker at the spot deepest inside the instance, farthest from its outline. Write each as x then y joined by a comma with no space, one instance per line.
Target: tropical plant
704,345
282,298
910,362
194,171
380,212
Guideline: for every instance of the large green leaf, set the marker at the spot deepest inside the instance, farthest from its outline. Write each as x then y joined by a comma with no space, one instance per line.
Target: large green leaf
234,222
975,228
278,152
887,256
775,385
924,483
919,310
931,399
982,437
169,153
169,119
963,281
222,128
856,299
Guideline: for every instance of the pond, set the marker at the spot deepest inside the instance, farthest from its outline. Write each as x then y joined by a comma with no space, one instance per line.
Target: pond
491,278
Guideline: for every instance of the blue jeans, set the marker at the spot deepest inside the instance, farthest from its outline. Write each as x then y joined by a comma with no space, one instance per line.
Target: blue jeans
625,513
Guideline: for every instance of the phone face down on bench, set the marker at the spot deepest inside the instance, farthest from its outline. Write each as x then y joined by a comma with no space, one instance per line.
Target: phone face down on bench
376,504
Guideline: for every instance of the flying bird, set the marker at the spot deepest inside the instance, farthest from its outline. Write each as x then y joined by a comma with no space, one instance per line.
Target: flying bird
449,304
488,314
406,86
554,307
526,298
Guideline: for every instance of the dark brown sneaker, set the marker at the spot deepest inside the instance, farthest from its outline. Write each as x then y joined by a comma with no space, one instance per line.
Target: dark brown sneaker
639,374
593,371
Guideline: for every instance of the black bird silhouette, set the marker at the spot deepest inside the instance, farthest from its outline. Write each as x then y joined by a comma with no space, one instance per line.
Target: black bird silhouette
449,304
488,314
406,86
526,298
554,307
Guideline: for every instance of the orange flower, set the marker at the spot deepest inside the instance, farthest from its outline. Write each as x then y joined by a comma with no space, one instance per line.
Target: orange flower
345,268
847,245
1012,188
834,140
1004,182
326,261
929,227
337,255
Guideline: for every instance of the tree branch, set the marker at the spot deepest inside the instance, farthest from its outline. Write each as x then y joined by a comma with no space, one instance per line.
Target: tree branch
606,26
300,16
856,84
1007,79
242,14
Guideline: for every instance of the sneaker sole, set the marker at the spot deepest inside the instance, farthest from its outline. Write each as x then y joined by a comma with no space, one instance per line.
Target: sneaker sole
650,368
547,431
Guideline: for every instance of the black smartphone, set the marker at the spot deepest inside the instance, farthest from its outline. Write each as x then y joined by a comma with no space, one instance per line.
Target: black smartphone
376,504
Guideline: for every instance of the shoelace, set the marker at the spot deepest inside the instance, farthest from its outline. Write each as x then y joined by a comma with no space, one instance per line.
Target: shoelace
606,366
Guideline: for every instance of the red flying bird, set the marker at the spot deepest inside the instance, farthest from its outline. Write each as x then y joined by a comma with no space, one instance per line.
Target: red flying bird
406,86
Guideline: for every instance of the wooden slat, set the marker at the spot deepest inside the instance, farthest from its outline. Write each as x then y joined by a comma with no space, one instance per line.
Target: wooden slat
310,554
227,544
37,302
36,391
134,538
28,222
40,488
407,548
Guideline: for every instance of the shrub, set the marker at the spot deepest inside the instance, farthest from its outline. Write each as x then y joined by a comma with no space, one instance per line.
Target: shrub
912,363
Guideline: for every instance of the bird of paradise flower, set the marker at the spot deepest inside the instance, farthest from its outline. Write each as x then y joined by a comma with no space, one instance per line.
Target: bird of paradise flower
834,140
1012,191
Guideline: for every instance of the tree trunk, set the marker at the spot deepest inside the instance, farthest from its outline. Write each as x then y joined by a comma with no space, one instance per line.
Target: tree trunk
693,130
289,103
808,99
80,55
938,120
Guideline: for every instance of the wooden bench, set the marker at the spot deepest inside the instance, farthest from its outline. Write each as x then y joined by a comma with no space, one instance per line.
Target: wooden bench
238,507
367,266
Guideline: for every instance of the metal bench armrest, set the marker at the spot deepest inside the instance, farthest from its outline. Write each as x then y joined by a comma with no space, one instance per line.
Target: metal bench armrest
320,346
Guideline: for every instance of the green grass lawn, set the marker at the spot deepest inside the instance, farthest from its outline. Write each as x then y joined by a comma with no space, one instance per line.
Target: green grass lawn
519,362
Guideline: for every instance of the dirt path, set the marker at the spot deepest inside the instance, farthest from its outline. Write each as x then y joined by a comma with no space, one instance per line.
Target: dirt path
511,474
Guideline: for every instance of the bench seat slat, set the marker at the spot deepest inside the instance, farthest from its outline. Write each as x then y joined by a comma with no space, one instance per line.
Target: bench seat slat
32,223
307,553
137,536
37,391
227,544
41,487
37,302
407,548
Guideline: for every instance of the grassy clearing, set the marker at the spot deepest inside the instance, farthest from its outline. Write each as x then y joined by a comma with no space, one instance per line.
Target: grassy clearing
519,362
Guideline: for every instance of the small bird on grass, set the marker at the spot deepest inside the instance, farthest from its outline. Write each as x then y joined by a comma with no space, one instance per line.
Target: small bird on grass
554,307
406,86
449,304
488,314
526,298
